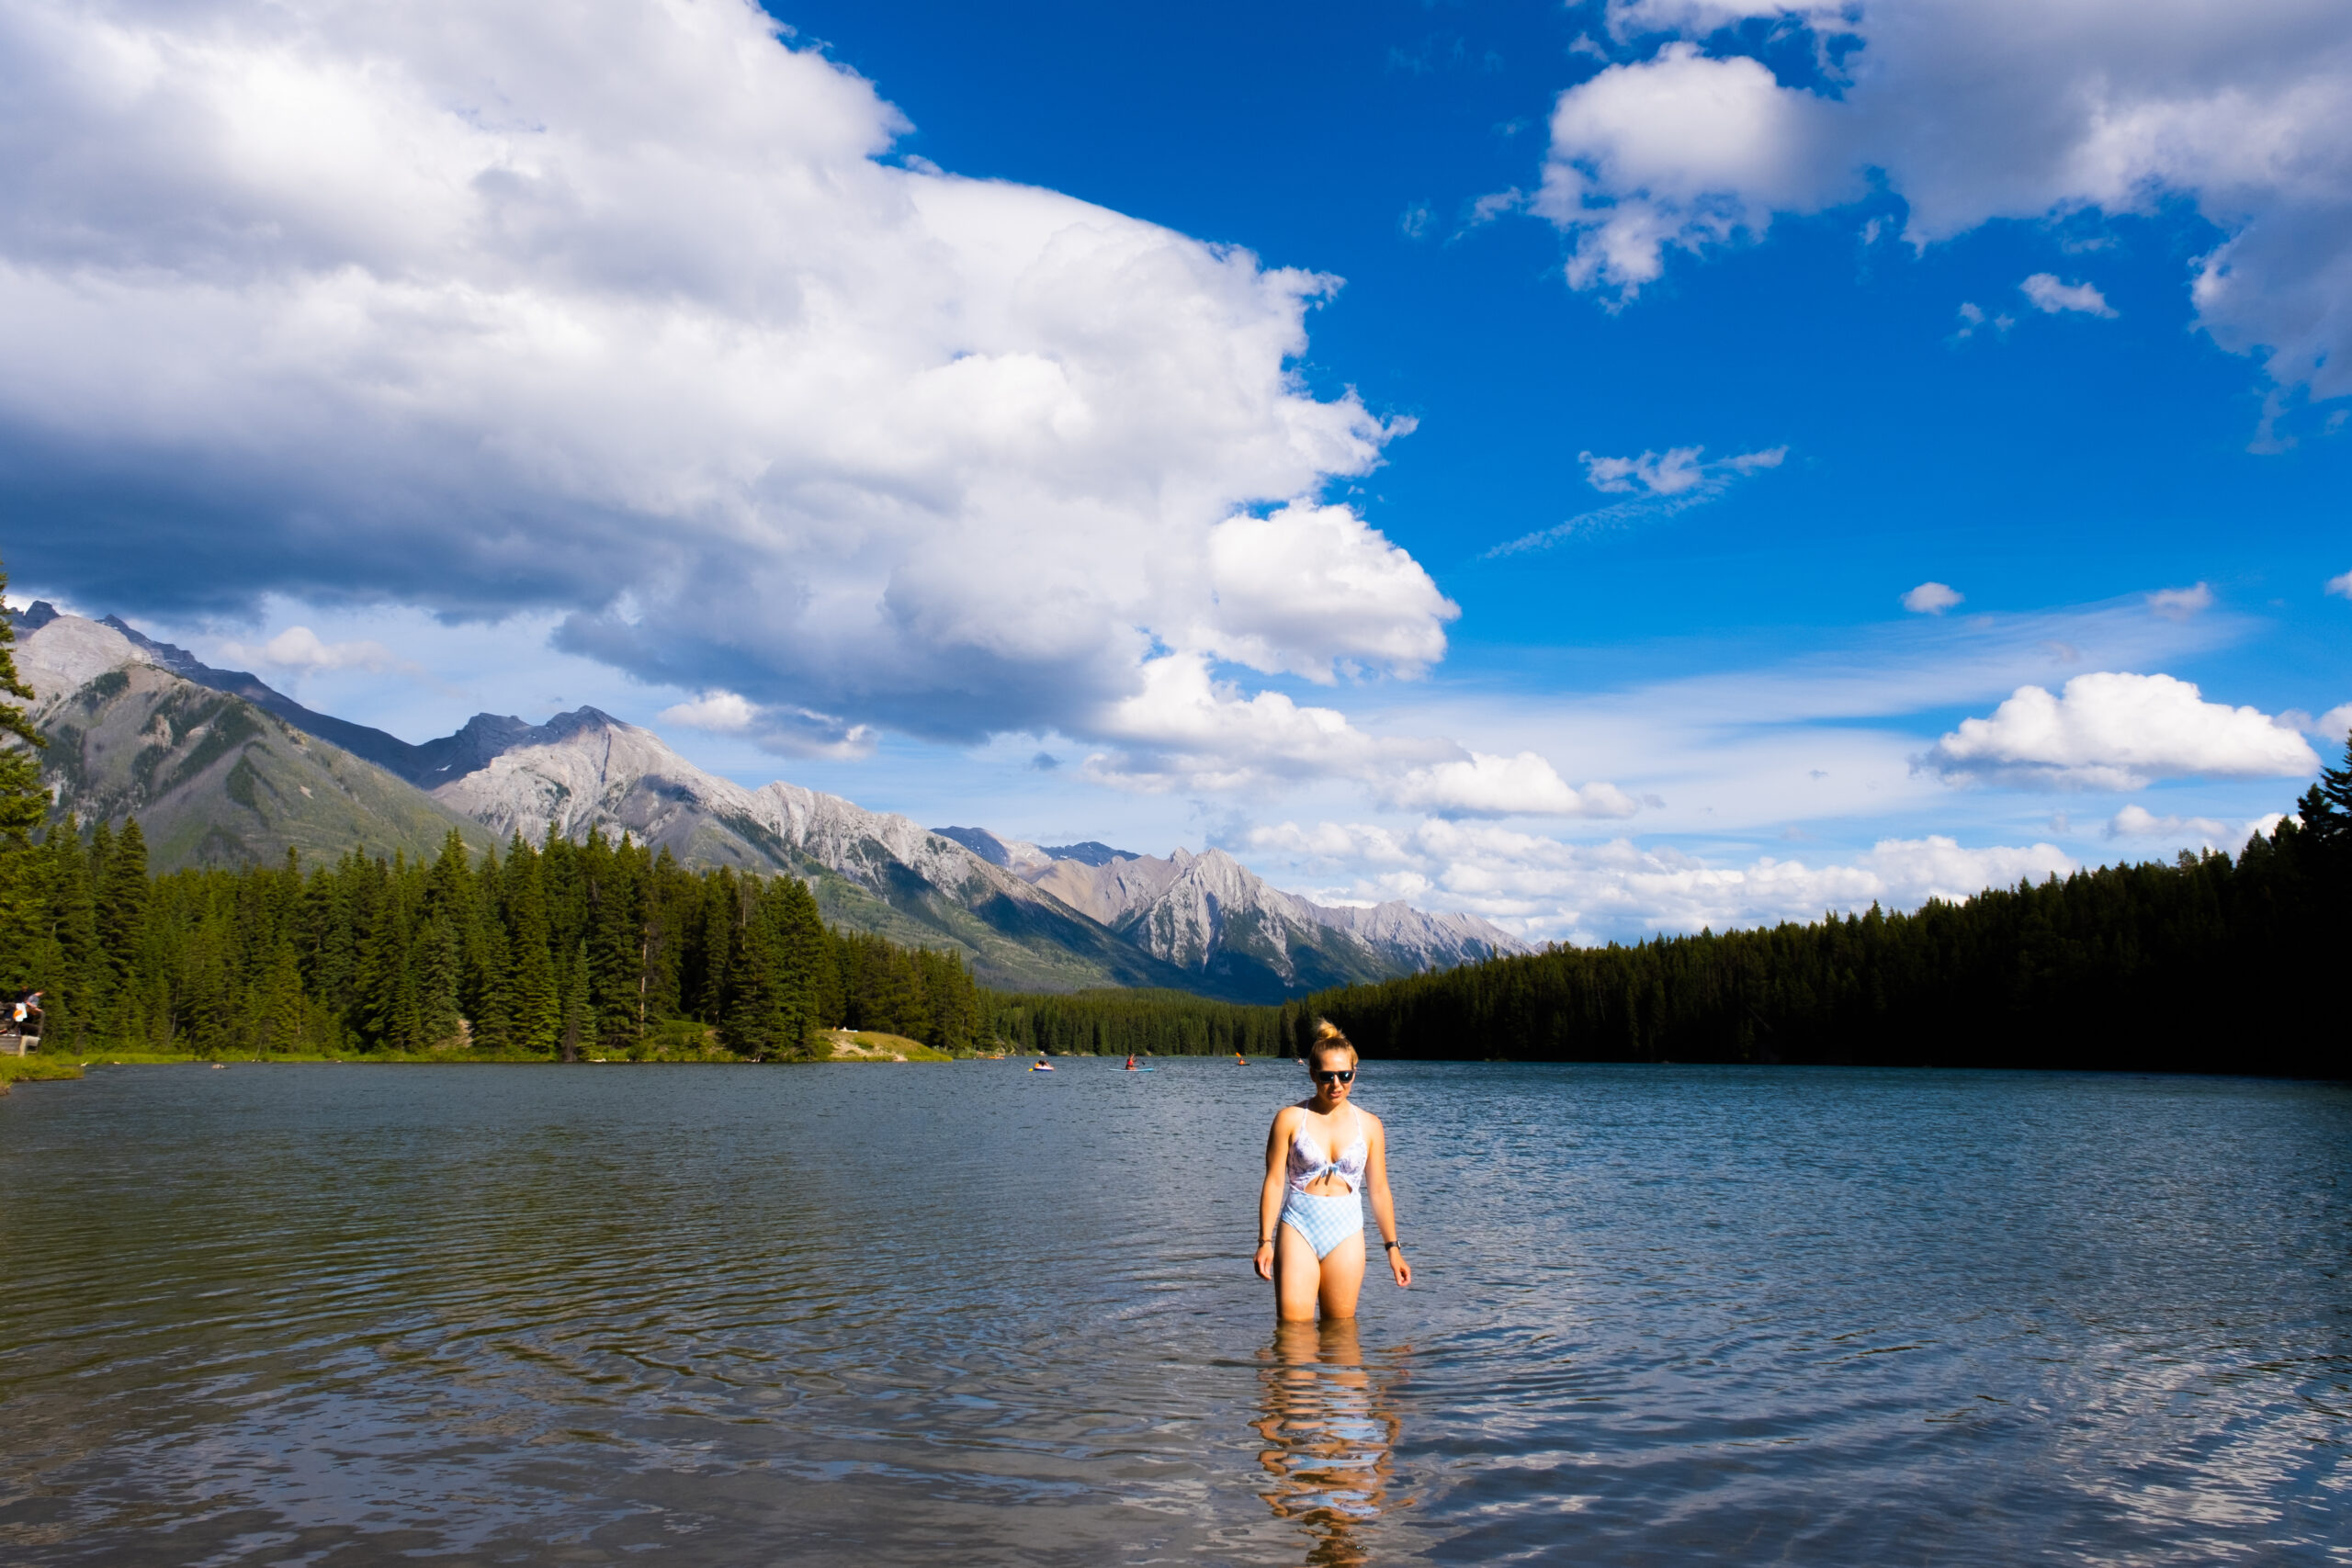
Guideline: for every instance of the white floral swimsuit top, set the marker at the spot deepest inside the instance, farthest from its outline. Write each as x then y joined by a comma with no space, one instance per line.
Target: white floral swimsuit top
1307,1164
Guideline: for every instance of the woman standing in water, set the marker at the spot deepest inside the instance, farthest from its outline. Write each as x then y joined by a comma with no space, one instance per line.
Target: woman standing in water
1320,1155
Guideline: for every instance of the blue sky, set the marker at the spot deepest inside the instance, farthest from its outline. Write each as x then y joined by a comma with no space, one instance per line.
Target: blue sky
951,462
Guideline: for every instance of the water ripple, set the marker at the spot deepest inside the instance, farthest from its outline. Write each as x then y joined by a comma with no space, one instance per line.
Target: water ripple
959,1314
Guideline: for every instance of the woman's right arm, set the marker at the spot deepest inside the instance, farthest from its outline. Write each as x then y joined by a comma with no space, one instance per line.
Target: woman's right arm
1270,1196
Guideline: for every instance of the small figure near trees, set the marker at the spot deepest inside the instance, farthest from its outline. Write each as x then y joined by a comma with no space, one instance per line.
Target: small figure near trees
24,1024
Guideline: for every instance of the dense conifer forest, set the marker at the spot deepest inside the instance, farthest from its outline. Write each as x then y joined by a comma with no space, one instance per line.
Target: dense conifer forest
556,949
1115,1023
2208,964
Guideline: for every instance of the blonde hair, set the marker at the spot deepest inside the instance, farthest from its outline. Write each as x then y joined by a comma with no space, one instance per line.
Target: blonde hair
1326,1037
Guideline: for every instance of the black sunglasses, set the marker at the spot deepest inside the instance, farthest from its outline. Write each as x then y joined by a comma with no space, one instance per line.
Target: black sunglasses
1345,1074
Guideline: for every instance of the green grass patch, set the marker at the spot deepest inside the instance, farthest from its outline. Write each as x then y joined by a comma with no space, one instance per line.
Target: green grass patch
867,1045
35,1069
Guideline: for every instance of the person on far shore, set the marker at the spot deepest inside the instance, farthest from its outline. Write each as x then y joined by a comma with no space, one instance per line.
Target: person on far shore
1320,1155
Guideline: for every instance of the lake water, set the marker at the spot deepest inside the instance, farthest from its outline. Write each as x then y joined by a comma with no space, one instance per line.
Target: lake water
970,1314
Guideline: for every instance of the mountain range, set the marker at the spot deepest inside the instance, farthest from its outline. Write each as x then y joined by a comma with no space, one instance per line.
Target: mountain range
220,768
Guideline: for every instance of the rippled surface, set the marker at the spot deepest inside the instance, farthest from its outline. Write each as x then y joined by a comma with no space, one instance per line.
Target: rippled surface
968,1314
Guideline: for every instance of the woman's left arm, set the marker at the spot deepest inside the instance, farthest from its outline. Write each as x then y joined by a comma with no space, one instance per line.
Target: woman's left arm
1384,1205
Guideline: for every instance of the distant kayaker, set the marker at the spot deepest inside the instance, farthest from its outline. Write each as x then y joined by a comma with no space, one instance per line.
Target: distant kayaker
1321,1156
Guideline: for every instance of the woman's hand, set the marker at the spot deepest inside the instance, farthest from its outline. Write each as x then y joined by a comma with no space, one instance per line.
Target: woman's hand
1266,1261
1398,1267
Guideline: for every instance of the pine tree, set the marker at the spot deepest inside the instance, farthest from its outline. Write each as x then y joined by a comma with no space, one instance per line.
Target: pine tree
757,1021
122,904
70,937
536,1004
390,1015
282,1018
2326,807
618,942
24,801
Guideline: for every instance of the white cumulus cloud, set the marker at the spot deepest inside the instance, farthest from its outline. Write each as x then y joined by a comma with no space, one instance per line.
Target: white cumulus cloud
1931,599
723,713
616,309
1546,887
301,648
2113,730
2331,728
1972,111
1314,591
1686,151
2341,586
1190,731
1484,785
2054,297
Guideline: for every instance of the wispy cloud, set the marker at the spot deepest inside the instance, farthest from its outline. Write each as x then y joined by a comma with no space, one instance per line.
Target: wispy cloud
2137,822
1973,320
1660,483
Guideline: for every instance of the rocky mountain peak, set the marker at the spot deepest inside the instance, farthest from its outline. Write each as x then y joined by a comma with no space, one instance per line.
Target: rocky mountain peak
65,653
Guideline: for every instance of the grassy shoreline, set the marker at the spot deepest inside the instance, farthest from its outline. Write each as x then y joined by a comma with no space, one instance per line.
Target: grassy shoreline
35,1070
835,1046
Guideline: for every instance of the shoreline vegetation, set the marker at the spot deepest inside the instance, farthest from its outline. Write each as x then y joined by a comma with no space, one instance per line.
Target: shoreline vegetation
602,951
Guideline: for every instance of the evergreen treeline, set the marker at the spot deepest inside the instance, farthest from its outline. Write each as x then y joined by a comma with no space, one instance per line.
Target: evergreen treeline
2208,964
561,949
1116,1024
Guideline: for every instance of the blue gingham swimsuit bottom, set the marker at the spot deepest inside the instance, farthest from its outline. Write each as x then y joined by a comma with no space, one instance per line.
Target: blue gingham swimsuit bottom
1324,1221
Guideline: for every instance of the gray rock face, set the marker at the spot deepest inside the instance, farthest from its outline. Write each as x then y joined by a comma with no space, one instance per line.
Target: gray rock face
1211,916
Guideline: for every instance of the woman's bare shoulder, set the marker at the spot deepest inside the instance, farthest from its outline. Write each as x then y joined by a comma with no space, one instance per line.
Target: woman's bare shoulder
1374,1122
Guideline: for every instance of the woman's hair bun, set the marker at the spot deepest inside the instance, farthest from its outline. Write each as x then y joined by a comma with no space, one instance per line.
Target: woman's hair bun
1325,1031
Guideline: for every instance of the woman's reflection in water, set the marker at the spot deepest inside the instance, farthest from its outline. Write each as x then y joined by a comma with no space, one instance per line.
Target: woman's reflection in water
1330,1437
